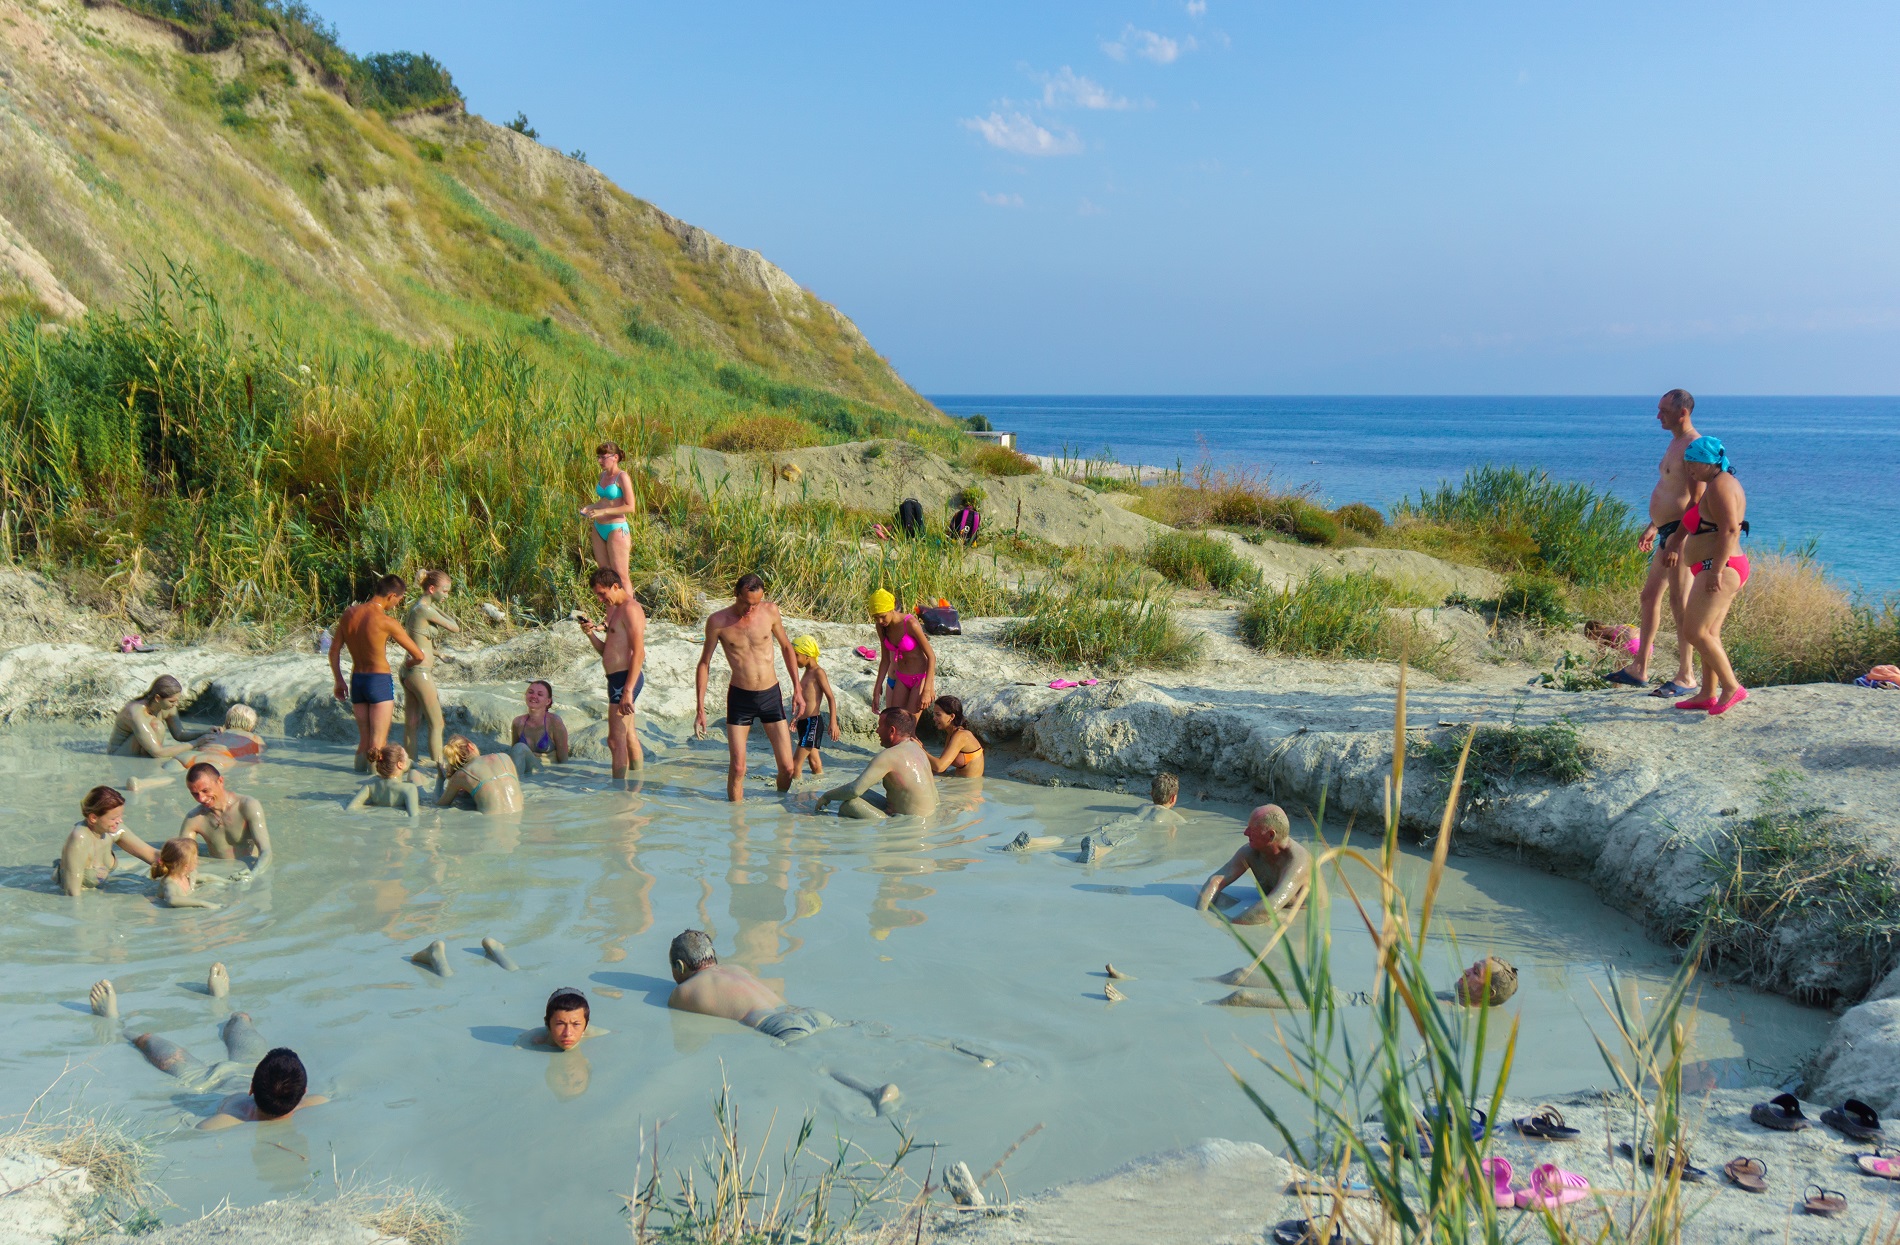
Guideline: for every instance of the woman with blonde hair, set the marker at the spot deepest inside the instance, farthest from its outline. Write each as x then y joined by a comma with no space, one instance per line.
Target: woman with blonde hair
607,528
177,872
393,786
419,699
490,782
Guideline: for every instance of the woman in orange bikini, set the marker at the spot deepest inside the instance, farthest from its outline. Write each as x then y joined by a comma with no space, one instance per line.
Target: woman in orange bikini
907,667
1710,538
962,755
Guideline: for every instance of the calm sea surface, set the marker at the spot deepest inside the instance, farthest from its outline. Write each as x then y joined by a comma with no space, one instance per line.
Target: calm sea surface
1816,469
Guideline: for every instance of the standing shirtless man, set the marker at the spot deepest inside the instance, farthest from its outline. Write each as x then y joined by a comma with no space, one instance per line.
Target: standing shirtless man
622,645
1673,494
747,629
366,629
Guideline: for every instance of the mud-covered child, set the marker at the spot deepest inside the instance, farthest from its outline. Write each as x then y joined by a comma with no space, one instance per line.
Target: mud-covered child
813,683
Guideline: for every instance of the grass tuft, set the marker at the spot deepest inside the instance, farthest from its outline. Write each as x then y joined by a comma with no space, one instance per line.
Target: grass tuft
1499,757
418,1216
1536,599
751,433
1331,616
1103,619
1519,519
1000,460
1197,561
1358,517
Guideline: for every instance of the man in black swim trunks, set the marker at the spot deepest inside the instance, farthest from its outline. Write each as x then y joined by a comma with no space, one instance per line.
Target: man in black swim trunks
748,630
366,629
622,645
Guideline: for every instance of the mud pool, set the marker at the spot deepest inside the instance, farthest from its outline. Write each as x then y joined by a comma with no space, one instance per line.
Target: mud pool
927,933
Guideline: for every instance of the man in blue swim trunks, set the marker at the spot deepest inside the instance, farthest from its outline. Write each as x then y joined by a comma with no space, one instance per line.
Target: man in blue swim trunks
367,629
709,988
622,645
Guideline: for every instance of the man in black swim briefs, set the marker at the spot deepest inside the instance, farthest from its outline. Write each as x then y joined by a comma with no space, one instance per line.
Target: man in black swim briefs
622,645
366,629
748,630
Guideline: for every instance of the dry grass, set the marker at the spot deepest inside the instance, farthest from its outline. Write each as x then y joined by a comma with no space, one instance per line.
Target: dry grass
418,1215
1788,622
758,432
999,460
1240,498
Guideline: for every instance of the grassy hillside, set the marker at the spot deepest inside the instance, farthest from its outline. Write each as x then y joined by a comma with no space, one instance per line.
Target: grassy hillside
393,219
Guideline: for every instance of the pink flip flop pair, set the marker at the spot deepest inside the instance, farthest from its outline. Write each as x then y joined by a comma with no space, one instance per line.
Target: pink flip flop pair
1063,685
1550,1186
1713,705
866,651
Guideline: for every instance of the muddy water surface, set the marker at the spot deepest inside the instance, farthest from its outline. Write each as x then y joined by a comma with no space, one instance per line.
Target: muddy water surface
925,933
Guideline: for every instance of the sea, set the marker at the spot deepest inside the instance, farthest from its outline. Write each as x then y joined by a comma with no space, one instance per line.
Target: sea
1820,472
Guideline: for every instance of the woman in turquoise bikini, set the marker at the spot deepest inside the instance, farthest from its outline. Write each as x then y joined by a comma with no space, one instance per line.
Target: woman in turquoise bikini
489,782
612,538
907,667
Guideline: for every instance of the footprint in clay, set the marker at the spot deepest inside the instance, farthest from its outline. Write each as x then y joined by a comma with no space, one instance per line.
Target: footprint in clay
435,958
104,1000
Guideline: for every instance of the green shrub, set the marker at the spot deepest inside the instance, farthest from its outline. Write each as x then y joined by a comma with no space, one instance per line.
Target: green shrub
1500,755
977,423
1536,599
1104,620
1200,562
1325,616
998,460
752,433
643,332
1520,519
1356,516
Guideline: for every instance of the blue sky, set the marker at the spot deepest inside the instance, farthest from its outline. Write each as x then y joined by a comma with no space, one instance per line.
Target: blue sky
1190,197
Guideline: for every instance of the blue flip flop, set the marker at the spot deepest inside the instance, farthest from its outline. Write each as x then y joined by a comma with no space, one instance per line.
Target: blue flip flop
1673,688
1624,678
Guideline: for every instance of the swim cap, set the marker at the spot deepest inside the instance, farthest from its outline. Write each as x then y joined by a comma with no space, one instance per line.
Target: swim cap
882,602
1707,450
806,644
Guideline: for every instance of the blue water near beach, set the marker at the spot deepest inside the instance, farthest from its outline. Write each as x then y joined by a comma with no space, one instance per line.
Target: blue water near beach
1818,470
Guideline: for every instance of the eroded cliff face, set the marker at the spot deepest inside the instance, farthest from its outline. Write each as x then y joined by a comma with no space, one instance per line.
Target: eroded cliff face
121,150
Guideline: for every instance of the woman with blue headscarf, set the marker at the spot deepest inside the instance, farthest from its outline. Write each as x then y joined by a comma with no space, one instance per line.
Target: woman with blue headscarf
1710,538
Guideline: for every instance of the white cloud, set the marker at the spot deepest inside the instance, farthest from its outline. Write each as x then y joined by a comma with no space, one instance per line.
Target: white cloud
1001,200
1067,88
1149,45
1019,133
1196,7
1089,208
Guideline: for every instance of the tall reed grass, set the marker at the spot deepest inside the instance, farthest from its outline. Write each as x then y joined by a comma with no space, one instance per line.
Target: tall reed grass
1335,616
1520,519
1423,1067
1197,561
1101,616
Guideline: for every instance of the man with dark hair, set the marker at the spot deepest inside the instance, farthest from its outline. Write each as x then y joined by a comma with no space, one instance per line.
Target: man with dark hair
622,645
230,824
748,630
278,1083
1674,493
366,629
903,768
564,1021
709,988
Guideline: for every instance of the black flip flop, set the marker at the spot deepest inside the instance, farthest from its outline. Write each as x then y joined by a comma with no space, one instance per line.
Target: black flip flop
1691,1174
1672,688
1306,1232
1623,678
1546,1124
1479,1122
1781,1113
1854,1118
1829,1202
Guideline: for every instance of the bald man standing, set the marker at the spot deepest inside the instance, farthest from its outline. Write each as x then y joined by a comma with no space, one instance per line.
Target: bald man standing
1281,867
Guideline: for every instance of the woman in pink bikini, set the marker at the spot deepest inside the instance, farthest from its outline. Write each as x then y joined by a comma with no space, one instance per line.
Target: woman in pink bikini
1710,538
907,665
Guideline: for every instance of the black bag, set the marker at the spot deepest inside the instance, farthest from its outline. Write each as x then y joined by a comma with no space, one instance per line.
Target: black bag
940,621
910,517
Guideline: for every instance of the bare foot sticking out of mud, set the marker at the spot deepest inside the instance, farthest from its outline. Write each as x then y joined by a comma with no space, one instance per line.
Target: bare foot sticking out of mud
883,1097
435,958
498,953
104,1000
218,982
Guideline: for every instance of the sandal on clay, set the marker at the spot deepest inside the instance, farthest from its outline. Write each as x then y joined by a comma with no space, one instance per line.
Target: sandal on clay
1750,1174
1478,1120
1704,703
1623,678
1691,1174
1882,1162
1499,1171
1545,1124
1856,1119
1551,1187
1827,1202
1781,1113
1306,1232
866,651
1062,685
1673,688
1728,702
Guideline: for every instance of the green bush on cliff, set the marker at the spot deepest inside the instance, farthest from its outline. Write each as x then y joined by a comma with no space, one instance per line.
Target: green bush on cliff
1197,561
1519,519
1333,616
1104,619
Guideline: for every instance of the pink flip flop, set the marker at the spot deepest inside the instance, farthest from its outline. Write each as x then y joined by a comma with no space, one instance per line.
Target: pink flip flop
1699,702
1499,1170
1552,1186
1090,682
1062,685
1728,702
866,651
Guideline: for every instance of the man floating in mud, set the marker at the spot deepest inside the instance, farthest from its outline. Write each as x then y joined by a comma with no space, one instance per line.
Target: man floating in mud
1672,496
277,1082
709,988
622,646
366,630
903,768
230,824
748,630
1281,867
